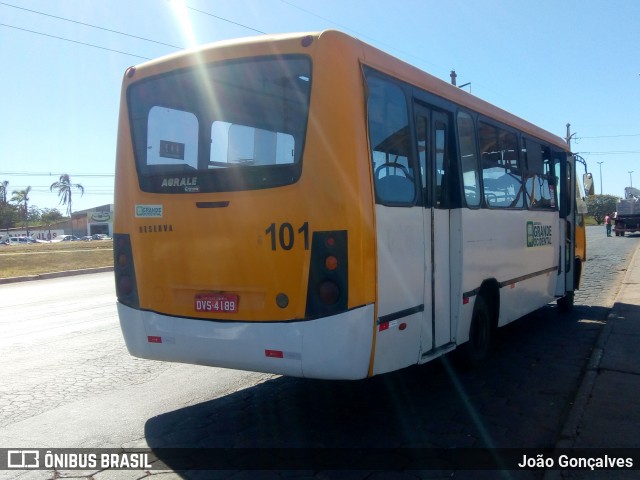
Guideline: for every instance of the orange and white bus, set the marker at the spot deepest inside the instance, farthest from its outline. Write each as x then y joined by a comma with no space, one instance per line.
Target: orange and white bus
310,206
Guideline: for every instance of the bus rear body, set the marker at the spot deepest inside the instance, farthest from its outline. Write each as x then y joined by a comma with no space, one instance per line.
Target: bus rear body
239,243
260,225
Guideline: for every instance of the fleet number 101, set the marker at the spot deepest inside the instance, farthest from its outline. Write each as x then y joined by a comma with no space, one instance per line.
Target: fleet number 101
284,235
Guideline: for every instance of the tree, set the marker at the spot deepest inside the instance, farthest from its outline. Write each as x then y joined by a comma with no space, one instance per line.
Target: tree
599,205
21,197
3,192
50,216
64,188
34,214
9,215
8,212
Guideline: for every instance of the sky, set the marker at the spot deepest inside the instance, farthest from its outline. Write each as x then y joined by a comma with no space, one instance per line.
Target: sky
549,62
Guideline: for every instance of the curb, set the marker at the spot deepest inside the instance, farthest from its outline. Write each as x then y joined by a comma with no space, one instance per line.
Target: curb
45,276
569,431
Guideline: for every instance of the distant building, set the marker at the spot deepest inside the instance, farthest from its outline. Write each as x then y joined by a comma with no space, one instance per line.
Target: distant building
82,223
92,221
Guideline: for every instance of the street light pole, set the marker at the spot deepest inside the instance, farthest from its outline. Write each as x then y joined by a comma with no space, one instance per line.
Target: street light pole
630,179
600,165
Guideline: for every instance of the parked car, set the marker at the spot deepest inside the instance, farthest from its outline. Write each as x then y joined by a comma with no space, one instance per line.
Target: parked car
66,238
86,238
100,236
19,240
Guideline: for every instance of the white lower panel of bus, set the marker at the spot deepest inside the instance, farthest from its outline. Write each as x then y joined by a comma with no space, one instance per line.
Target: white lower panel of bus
337,347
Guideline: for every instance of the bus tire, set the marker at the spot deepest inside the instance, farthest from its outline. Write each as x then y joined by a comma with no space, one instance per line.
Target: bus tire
481,334
565,304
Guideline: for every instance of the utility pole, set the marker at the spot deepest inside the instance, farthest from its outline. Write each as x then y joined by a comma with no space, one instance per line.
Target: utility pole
600,165
630,179
569,135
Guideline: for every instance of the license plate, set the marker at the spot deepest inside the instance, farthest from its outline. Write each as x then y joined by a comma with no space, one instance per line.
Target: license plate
216,302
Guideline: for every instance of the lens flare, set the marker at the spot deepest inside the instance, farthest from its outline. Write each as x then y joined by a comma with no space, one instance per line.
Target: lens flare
179,8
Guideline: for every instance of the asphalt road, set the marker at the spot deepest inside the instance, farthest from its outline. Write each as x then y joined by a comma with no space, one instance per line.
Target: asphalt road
66,380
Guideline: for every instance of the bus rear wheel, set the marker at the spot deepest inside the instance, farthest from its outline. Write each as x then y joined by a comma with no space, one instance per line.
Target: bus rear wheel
565,304
481,334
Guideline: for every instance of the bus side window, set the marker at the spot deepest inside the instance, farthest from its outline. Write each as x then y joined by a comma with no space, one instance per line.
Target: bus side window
422,133
469,159
501,176
562,179
441,158
539,181
389,134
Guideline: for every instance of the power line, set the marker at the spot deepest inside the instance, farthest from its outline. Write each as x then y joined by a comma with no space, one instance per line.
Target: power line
225,20
361,35
113,31
88,190
611,136
55,174
618,152
319,16
92,26
73,41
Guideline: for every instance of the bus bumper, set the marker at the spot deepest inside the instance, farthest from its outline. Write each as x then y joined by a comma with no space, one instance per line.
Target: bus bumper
336,347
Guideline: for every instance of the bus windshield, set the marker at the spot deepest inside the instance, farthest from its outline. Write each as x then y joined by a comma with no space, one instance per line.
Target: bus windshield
222,127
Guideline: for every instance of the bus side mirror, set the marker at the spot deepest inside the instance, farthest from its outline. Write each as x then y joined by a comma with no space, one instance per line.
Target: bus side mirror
587,180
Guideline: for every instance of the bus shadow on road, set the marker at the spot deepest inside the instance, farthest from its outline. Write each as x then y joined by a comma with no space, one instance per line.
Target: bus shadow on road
518,398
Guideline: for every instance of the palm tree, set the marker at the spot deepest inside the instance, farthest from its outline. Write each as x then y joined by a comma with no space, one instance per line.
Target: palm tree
64,187
21,197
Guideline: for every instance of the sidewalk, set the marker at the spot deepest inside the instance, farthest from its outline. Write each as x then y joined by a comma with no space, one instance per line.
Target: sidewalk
606,411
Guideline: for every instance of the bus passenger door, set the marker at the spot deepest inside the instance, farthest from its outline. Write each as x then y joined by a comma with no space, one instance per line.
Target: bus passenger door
565,172
434,153
399,228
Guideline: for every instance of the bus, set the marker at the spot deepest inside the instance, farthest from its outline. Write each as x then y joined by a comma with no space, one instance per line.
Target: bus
308,205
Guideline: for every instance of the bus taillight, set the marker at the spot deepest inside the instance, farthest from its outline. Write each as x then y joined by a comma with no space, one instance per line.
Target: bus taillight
126,287
328,287
328,292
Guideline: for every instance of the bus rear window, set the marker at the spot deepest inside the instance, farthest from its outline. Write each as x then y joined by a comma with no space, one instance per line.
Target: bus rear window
223,127
233,144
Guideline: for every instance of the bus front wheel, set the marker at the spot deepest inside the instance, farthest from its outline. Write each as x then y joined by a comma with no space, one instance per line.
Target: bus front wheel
565,304
481,334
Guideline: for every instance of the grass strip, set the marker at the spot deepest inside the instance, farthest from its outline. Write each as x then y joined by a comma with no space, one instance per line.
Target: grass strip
39,258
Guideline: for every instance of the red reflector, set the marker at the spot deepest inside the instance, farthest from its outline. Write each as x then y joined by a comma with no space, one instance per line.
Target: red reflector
274,353
151,339
331,262
383,326
402,326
